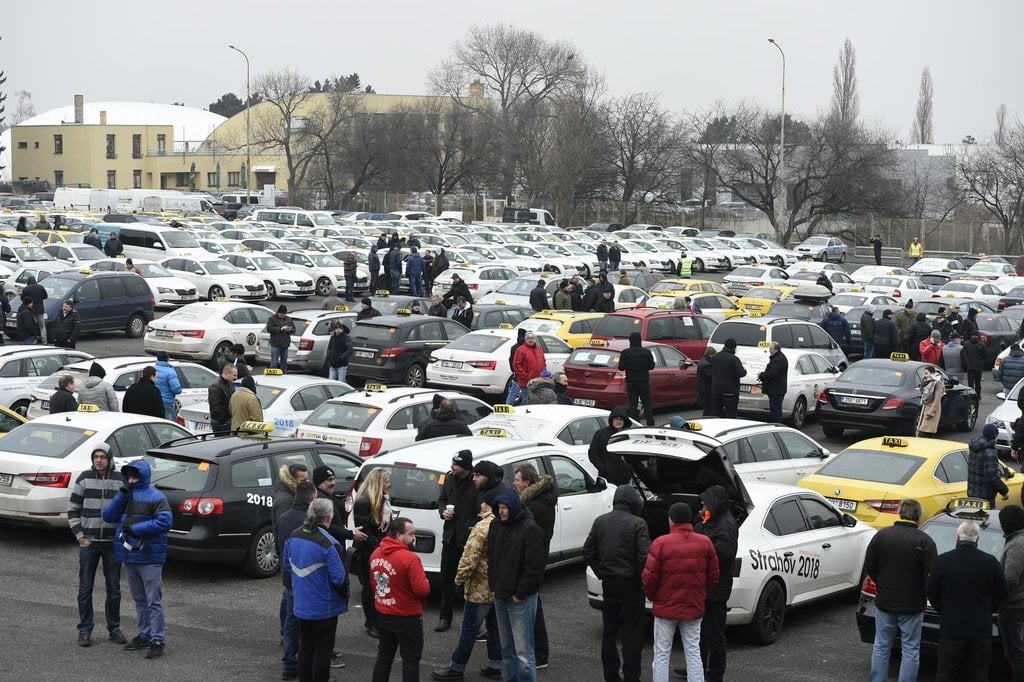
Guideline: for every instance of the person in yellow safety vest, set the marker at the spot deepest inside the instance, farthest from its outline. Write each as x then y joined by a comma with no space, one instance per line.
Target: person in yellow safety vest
916,250
685,266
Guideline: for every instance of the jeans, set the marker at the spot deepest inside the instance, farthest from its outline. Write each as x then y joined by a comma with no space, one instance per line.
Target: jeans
415,285
316,644
909,628
350,285
451,552
146,584
1011,630
869,350
640,392
515,627
712,640
338,373
473,615
29,340
399,633
89,558
514,392
41,322
220,427
963,659
689,632
625,618
289,632
279,358
775,407
396,280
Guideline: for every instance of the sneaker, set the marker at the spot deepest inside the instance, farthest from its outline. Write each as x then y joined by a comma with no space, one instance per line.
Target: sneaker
290,675
443,625
446,674
117,637
336,661
481,636
492,673
156,650
137,644
542,664
84,639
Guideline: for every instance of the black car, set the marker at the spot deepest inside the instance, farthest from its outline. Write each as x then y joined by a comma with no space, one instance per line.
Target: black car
221,489
942,529
931,306
937,280
395,349
997,331
883,395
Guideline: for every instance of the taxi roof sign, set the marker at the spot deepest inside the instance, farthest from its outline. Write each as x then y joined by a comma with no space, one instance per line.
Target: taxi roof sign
493,433
88,407
375,388
222,299
764,344
499,302
503,409
894,442
273,371
505,325
403,311
256,427
899,357
381,293
967,503
341,308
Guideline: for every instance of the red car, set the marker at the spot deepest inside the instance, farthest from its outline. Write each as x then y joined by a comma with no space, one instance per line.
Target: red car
681,329
596,381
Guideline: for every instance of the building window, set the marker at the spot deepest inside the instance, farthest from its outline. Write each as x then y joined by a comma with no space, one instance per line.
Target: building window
181,179
35,145
136,146
161,144
58,177
111,147
137,179
23,145
58,144
111,179
211,180
234,178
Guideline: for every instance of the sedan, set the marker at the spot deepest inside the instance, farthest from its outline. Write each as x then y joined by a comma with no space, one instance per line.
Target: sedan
935,265
595,379
809,374
841,282
866,273
846,302
326,271
168,290
986,292
279,279
743,278
214,278
206,331
901,288
991,270
75,255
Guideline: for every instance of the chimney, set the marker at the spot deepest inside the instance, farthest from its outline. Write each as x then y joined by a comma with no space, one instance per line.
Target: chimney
476,89
103,118
79,109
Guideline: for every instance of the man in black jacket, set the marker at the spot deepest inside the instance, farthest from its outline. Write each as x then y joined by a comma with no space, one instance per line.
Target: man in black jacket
458,506
218,396
36,294
616,549
437,308
339,350
775,381
237,360
726,372
611,467
63,399
444,420
719,524
113,248
458,288
280,327
463,313
66,326
966,586
540,495
977,354
887,336
289,476
867,331
637,362
324,480
899,559
286,523
143,397
539,297
704,382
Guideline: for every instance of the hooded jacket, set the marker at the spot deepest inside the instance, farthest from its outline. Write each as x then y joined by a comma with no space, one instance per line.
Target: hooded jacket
143,518
837,327
726,372
339,350
899,559
539,298
604,305
284,494
245,405
867,326
680,572
1013,568
975,354
983,471
515,550
167,382
442,423
542,391
493,475
96,391
1013,367
400,585
612,467
66,328
636,361
617,546
541,498
219,396
414,265
316,573
528,363
721,527
91,493
472,572
143,397
463,494
27,326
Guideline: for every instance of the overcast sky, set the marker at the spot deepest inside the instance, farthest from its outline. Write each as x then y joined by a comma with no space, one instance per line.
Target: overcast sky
691,52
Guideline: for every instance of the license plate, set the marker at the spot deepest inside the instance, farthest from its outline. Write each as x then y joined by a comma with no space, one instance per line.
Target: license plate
453,364
44,405
6,480
753,307
852,400
264,345
364,354
200,426
584,402
747,388
843,505
164,333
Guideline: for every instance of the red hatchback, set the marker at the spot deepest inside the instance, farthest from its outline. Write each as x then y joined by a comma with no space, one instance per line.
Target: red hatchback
595,379
681,329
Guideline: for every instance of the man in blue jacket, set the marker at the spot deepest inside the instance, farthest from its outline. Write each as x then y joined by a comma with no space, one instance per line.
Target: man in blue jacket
414,271
143,518
167,382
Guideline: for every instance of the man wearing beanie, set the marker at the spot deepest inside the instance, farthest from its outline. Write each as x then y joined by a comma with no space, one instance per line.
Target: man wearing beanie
95,391
280,327
984,478
726,372
1011,610
366,310
457,505
637,362
168,383
487,475
887,336
513,390
444,420
244,404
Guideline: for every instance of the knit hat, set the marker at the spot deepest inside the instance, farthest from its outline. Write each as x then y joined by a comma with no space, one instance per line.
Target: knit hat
530,335
490,494
676,422
283,309
521,334
680,512
96,370
887,313
730,343
321,474
935,334
1011,518
366,301
990,431
102,447
248,382
868,308
546,373
909,305
162,356
464,458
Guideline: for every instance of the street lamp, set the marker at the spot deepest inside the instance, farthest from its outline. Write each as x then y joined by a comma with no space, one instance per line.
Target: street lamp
781,196
249,160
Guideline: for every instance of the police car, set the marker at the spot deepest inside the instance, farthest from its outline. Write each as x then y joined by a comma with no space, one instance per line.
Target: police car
221,491
279,279
286,401
23,367
418,472
40,460
378,419
206,330
123,371
308,349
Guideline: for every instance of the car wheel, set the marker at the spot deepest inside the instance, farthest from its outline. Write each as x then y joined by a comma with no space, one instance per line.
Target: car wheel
780,262
842,257
831,431
215,293
967,425
323,287
136,327
823,256
698,265
271,291
221,355
21,407
415,377
799,416
769,614
261,561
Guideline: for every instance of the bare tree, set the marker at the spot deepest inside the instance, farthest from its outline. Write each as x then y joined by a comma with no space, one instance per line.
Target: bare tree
278,125
993,178
3,108
706,135
999,138
921,133
24,109
845,99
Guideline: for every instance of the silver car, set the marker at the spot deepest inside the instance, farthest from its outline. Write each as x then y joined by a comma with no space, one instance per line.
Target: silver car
309,342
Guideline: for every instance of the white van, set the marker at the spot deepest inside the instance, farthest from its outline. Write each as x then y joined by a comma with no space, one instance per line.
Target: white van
153,242
295,217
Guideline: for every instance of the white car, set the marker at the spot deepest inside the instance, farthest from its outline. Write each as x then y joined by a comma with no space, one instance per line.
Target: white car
417,470
778,254
551,260
823,248
287,399
901,288
866,273
735,256
572,249
373,420
809,374
743,278
206,330
991,270
846,301
1006,413
481,279
326,270
705,258
757,256
811,266
477,362
17,254
986,292
221,246
498,253
23,367
215,278
168,289
123,371
279,279
75,256
841,282
650,254
935,265
16,282
517,291
40,460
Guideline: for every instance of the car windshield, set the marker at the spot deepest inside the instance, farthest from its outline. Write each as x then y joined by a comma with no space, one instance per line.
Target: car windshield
747,272
816,241
346,416
86,252
641,246
806,275
192,314
594,357
45,440
268,394
478,343
889,468
575,249
541,326
793,309
179,473
960,286
472,257
268,263
324,260
322,219
220,267
59,287
847,299
180,240
942,530
873,376
153,270
373,332
31,254
884,282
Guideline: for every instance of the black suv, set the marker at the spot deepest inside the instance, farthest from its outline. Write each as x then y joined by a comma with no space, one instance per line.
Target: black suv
221,490
395,349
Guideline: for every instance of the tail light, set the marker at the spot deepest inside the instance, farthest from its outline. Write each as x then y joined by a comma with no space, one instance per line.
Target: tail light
202,506
893,403
391,353
618,378
192,333
822,398
179,420
884,506
306,344
757,284
936,296
54,479
483,364
152,303
896,293
985,338
368,447
474,287
868,588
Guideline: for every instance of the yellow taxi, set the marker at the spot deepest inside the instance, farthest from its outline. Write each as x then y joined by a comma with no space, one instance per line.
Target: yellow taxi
869,478
573,328
9,419
58,236
759,300
23,237
684,287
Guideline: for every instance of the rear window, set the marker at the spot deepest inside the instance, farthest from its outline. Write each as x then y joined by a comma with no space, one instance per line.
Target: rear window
748,272
617,326
868,465
179,474
935,280
761,292
520,287
791,309
875,377
592,357
268,395
956,286
411,486
478,343
944,534
745,334
541,326
371,332
345,416
189,314
45,440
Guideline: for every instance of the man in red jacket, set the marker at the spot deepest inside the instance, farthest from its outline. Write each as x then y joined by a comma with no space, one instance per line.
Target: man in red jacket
681,569
528,363
399,589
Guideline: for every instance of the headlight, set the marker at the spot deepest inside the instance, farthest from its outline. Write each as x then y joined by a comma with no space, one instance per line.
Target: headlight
286,282
235,286
161,290
340,278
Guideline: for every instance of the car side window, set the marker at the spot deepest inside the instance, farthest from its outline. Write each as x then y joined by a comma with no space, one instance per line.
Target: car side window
796,445
765,447
821,365
408,417
952,468
13,369
804,365
552,345
195,377
819,515
125,380
684,327
707,326
580,431
470,410
311,398
429,331
801,336
252,473
569,477
738,452
784,335
130,441
453,330
819,338
43,365
785,518
492,319
344,468
240,316
89,291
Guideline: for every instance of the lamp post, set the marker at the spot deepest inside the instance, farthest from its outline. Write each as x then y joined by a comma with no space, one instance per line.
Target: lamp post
780,199
249,161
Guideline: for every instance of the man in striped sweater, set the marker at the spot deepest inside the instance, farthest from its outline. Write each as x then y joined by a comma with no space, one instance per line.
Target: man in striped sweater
94,488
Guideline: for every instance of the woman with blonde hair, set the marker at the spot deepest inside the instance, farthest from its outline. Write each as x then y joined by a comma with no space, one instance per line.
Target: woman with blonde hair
372,514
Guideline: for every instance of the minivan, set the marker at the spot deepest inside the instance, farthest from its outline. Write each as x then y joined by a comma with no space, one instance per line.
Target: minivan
156,243
294,217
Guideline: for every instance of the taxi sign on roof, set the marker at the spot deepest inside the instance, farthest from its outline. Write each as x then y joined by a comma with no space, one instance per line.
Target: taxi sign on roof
499,302
86,407
503,409
222,299
597,342
256,427
764,344
273,371
493,433
894,442
403,311
375,388
899,357
381,293
341,308
694,426
505,325
967,503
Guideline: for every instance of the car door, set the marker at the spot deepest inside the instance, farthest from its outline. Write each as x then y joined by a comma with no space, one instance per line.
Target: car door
764,459
673,379
195,383
129,443
793,551
950,478
802,454
244,327
403,425
579,503
89,306
555,352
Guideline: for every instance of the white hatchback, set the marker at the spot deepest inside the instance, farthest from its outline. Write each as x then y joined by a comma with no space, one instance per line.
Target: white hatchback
809,373
22,368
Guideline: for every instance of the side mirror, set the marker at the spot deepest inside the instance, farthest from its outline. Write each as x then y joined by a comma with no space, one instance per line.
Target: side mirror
686,362
600,484
849,521
250,267
1001,395
200,272
834,369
